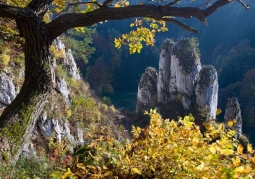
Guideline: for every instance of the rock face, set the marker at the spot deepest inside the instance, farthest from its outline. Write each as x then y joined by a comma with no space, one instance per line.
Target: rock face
233,112
182,79
47,126
62,88
185,66
147,90
7,90
68,60
164,70
72,69
207,91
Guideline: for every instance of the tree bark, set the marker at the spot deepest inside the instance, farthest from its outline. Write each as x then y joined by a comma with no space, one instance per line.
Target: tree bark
18,119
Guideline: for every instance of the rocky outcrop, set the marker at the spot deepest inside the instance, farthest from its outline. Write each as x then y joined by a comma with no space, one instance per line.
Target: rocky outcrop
7,90
48,126
72,69
164,71
68,60
62,88
147,90
181,79
185,66
233,112
206,92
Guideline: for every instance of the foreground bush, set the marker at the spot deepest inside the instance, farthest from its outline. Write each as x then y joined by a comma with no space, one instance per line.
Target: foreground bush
165,149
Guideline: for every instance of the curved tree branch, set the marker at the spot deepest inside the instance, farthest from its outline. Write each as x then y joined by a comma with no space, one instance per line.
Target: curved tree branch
172,3
11,12
211,9
71,20
180,24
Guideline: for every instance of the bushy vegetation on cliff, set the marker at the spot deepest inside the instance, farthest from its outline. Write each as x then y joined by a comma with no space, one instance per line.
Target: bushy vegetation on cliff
163,149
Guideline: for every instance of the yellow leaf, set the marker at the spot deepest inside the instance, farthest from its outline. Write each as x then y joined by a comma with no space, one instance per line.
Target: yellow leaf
249,148
81,166
239,169
127,3
135,170
236,161
67,174
218,111
230,123
108,173
227,152
117,5
201,166
212,150
239,149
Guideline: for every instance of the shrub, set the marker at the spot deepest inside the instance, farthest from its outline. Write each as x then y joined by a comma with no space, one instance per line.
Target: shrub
168,149
29,168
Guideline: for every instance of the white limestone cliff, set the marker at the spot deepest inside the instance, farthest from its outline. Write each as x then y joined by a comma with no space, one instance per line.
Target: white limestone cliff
147,90
7,90
164,70
185,66
207,92
72,69
182,81
68,60
63,89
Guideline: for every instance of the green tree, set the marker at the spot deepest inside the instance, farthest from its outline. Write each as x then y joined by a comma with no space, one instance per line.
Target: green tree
18,119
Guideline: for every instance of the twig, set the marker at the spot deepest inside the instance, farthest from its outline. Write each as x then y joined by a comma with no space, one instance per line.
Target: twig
243,4
186,27
172,3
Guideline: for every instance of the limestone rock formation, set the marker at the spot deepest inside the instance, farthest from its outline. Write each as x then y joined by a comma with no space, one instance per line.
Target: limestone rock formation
48,126
164,70
62,88
72,69
182,82
147,90
7,90
69,61
185,65
233,112
207,91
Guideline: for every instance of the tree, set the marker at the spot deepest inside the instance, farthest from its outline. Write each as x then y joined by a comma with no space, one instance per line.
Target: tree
18,119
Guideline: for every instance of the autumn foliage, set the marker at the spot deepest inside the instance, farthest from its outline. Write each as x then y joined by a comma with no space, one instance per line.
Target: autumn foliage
166,149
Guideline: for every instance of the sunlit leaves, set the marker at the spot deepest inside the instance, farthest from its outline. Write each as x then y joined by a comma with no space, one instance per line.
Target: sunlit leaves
141,34
19,3
122,3
170,149
249,148
74,6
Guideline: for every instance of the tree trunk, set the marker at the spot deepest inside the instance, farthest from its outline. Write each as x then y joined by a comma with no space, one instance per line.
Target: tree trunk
18,119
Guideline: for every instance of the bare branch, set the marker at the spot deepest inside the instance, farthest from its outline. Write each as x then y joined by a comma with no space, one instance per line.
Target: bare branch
211,9
70,20
243,4
176,22
172,3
